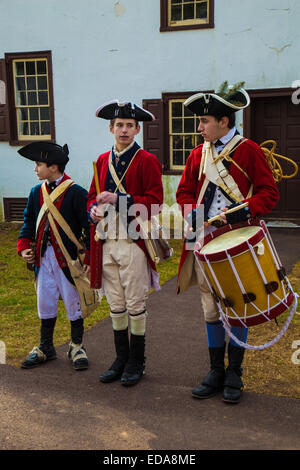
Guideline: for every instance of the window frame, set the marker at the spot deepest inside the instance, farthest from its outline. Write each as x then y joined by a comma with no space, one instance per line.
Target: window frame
164,19
13,119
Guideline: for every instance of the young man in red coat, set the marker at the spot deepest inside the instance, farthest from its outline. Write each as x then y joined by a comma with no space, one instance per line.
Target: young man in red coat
210,189
130,182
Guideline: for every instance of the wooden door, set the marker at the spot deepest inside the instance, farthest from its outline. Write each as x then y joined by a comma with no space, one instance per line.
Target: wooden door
277,118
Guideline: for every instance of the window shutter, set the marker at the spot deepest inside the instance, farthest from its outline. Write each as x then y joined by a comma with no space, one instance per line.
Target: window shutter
153,130
4,118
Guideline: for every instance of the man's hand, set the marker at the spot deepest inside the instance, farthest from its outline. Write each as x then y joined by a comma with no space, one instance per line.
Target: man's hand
106,198
28,255
97,213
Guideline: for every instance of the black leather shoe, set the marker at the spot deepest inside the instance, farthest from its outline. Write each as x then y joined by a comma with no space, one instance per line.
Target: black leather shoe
232,395
211,385
113,373
233,384
38,357
132,378
122,349
205,391
214,380
134,369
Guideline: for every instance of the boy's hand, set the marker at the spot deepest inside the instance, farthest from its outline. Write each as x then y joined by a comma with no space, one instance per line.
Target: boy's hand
28,256
86,268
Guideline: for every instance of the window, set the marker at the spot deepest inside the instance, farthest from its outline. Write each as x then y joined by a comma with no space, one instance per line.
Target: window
30,97
183,135
186,14
173,134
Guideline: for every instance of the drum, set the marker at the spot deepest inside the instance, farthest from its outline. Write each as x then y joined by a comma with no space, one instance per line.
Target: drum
245,274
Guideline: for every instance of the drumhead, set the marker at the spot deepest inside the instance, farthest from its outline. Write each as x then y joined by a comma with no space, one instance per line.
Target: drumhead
229,239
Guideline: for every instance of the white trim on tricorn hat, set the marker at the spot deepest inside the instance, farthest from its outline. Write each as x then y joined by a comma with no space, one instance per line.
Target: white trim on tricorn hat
126,110
213,104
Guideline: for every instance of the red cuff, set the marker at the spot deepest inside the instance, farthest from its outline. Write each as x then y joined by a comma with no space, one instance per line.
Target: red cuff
23,244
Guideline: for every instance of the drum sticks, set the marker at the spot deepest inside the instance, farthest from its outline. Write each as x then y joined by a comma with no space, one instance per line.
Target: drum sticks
241,206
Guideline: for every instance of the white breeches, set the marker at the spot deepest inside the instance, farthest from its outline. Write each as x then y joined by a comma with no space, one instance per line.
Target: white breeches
125,276
52,283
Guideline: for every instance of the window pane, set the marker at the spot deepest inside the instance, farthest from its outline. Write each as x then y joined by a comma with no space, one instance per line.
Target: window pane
34,114
176,109
45,114
34,128
177,125
32,98
41,67
42,83
23,114
31,83
177,142
21,98
187,112
45,128
201,10
176,13
188,144
30,68
178,157
43,97
20,83
19,68
23,128
189,125
188,11
186,154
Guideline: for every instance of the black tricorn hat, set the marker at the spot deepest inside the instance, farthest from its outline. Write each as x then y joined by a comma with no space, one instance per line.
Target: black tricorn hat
127,110
226,101
46,152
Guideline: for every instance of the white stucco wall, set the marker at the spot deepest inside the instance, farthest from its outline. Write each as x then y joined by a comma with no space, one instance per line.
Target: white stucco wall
103,49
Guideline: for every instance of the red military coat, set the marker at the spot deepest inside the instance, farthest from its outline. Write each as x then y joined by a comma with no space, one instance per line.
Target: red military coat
143,182
251,159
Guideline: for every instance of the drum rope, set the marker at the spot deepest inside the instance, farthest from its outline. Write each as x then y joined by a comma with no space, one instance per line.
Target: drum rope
274,164
268,344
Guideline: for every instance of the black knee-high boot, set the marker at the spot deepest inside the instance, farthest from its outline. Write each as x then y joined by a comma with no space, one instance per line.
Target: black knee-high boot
77,352
233,384
122,350
135,366
214,380
45,351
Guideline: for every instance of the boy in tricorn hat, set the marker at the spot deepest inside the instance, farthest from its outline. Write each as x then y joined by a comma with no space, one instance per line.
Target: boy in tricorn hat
128,176
216,186
53,278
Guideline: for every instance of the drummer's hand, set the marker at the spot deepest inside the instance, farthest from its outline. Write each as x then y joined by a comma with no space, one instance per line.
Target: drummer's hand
107,198
222,215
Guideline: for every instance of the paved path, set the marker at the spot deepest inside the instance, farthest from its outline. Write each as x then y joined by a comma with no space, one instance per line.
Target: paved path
54,407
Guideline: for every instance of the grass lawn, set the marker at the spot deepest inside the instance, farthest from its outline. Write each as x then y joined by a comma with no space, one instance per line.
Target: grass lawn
273,371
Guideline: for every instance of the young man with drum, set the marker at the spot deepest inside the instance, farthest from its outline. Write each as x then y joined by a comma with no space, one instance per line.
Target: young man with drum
211,186
128,177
